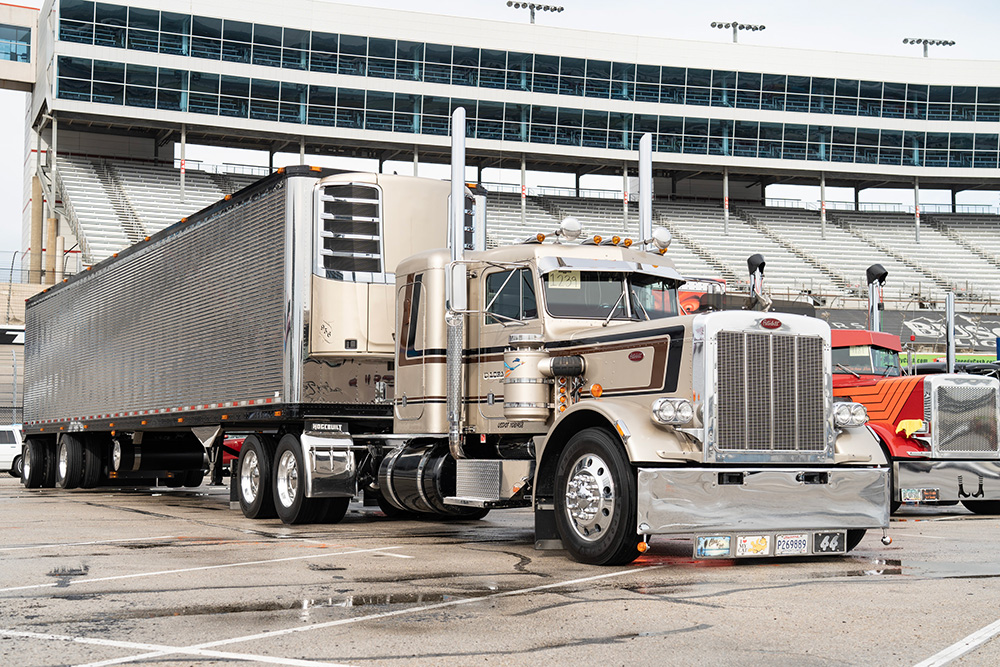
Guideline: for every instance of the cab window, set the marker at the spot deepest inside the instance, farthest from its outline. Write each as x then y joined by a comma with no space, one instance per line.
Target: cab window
510,297
866,360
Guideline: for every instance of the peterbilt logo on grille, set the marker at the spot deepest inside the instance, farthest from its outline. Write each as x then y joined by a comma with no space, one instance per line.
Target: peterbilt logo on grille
636,356
770,323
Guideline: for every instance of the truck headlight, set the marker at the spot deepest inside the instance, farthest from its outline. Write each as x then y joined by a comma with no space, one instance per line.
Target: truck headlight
846,415
674,411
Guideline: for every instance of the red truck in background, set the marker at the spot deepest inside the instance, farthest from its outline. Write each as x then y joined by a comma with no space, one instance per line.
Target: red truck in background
941,432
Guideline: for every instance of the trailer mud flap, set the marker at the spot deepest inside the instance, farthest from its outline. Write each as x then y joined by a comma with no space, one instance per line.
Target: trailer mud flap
683,501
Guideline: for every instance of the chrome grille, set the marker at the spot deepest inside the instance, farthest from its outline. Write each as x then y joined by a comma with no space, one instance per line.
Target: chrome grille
965,416
770,392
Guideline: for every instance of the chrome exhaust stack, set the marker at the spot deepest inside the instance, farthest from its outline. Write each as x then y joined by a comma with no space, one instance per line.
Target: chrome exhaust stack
456,285
875,275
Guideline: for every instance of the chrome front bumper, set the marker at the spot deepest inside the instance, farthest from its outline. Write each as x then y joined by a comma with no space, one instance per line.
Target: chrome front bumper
687,501
920,481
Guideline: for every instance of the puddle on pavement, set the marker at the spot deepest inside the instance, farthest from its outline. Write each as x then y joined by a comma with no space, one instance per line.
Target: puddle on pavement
304,607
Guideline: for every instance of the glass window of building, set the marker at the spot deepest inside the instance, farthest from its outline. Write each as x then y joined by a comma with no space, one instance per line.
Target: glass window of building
143,29
489,122
595,129
76,21
15,43
295,49
109,25
493,69
572,75
465,66
437,64
378,114
519,71
175,33
546,75
647,83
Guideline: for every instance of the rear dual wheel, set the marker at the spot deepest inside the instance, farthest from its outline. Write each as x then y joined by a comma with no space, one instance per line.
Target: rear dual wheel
290,501
39,469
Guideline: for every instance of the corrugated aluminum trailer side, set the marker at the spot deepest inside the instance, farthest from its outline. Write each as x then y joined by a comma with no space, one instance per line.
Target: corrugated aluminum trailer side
192,319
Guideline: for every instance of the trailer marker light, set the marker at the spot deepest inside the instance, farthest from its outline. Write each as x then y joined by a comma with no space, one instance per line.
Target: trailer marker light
111,424
225,416
596,390
277,413
315,169
142,423
228,197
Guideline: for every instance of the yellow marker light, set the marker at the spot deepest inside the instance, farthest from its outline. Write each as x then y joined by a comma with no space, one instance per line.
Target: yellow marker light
562,408
315,168
277,413
596,390
597,239
627,243
615,240
540,237
642,547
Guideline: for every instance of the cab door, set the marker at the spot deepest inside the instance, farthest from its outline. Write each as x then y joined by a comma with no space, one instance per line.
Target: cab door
509,306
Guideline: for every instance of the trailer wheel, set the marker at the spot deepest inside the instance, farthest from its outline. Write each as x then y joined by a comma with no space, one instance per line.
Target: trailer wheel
253,477
596,500
93,465
289,484
35,462
69,462
16,467
982,506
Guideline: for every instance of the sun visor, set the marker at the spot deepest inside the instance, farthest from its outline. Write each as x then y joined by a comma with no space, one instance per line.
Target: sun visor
549,264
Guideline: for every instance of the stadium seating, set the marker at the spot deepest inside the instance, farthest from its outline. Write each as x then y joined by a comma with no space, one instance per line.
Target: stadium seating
114,202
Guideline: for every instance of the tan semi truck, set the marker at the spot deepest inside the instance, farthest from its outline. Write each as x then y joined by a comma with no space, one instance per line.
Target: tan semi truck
325,317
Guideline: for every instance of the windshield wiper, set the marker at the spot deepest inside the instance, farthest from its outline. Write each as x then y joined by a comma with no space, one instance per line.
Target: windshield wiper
613,309
636,300
845,368
888,367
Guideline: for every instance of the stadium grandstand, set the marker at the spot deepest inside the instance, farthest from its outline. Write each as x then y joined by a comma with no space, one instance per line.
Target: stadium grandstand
125,88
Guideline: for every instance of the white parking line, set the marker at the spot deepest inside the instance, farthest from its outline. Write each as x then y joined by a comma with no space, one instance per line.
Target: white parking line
962,647
159,647
80,544
372,617
192,569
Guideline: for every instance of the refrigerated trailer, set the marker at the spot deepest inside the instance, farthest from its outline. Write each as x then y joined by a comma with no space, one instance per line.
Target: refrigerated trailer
324,317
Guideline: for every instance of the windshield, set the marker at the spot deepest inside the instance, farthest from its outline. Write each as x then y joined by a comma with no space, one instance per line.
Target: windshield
866,360
609,294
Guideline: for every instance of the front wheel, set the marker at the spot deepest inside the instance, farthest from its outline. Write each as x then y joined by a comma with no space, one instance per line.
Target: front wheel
854,538
982,506
595,500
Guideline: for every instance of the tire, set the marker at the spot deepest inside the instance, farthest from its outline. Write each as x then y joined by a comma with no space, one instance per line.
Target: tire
982,506
253,477
93,465
854,538
69,462
16,467
175,481
335,510
288,478
35,465
39,465
599,530
193,478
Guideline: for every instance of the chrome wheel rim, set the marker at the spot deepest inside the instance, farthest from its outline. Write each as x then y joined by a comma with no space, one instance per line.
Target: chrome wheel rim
116,455
63,461
590,497
250,476
287,481
26,467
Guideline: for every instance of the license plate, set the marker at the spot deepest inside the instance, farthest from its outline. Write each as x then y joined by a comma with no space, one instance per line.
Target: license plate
830,543
753,545
714,546
787,545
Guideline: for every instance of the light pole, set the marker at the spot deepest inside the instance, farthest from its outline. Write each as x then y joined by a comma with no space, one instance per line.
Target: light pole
736,27
533,6
928,42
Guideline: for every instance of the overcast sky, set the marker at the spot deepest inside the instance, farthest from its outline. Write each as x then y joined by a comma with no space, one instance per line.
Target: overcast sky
848,25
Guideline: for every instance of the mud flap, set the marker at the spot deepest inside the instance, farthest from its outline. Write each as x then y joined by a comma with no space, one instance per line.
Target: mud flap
546,534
